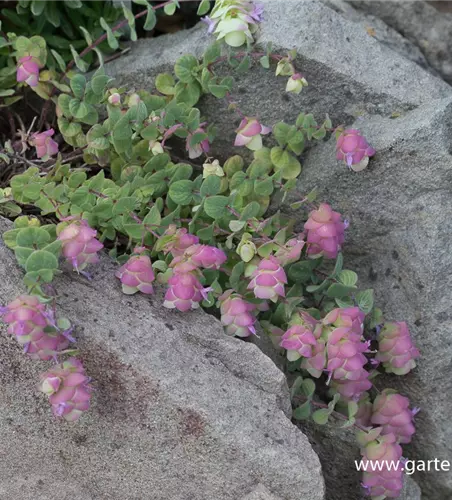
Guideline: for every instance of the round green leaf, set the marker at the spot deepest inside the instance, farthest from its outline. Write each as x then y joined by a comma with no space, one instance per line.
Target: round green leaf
210,186
348,278
321,416
365,300
215,206
302,412
68,128
185,68
41,259
32,237
165,83
337,290
181,192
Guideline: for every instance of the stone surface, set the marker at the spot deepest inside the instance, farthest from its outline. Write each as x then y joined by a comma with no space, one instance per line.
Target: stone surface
420,23
399,243
379,30
349,71
180,411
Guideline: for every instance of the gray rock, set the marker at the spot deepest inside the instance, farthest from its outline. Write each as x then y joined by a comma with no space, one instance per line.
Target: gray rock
349,71
379,30
420,23
398,242
180,411
260,493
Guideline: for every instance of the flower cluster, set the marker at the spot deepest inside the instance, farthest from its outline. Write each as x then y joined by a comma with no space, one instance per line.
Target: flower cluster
395,348
303,340
33,325
235,21
44,144
343,329
353,149
68,389
178,240
250,133
136,274
268,280
299,341
378,450
79,244
291,251
325,232
28,71
236,314
391,411
380,446
335,345
185,290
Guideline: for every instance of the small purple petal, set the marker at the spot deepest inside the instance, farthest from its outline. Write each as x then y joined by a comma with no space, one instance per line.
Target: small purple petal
67,334
87,275
210,23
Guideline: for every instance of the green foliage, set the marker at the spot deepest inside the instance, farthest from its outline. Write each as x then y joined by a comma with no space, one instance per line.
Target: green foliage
62,24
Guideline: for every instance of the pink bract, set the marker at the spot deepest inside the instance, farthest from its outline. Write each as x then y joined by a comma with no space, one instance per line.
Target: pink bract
268,280
68,389
80,245
236,315
325,232
137,275
28,71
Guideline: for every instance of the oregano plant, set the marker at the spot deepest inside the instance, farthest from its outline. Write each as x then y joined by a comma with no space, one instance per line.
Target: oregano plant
211,233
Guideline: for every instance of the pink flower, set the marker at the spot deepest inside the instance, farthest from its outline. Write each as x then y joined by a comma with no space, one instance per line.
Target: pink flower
392,412
198,149
380,480
313,353
68,389
210,24
343,329
28,71
180,241
353,388
184,293
29,322
136,274
44,144
206,256
353,148
315,365
236,315
350,317
395,348
299,342
115,99
268,280
325,232
345,358
80,245
291,251
249,133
